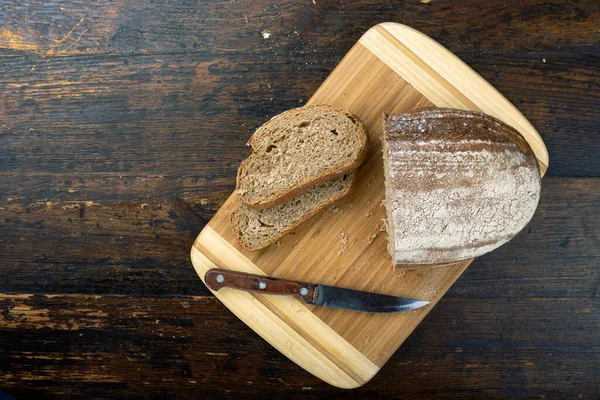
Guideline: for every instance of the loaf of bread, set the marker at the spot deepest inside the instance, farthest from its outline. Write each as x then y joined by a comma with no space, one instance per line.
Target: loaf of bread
298,150
256,229
458,184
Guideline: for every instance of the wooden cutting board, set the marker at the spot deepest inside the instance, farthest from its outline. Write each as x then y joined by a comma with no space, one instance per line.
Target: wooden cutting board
392,69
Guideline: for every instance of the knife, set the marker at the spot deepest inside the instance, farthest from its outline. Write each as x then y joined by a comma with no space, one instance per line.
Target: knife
318,295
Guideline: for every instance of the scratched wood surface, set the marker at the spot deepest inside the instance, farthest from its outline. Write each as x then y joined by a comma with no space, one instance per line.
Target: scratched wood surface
121,127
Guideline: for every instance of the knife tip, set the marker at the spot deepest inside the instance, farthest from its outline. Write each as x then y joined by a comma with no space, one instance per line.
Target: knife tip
420,303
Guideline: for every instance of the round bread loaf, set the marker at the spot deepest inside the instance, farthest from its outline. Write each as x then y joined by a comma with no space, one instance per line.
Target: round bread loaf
458,185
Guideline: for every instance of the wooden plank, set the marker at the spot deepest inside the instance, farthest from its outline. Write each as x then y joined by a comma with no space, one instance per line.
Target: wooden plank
129,79
391,69
109,247
555,255
130,347
105,108
136,26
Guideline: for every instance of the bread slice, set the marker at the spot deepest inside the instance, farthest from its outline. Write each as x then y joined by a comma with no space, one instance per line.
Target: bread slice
256,229
458,184
297,150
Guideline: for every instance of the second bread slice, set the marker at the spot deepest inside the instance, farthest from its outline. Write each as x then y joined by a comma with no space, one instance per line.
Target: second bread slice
255,229
298,150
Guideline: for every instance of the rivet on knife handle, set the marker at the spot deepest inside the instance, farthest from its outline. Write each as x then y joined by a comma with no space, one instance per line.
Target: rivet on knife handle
218,278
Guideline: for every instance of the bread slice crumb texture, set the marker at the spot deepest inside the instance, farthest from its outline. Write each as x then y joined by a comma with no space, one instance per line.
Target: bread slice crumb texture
256,229
297,150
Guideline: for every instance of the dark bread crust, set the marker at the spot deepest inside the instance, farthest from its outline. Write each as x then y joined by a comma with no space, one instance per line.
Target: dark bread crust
454,121
306,184
352,177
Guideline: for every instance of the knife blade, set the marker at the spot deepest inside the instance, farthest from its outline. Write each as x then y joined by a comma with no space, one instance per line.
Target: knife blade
316,294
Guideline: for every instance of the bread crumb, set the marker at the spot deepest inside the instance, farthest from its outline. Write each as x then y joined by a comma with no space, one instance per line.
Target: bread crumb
371,238
383,225
278,243
382,202
344,246
266,34
369,214
425,1
335,209
203,202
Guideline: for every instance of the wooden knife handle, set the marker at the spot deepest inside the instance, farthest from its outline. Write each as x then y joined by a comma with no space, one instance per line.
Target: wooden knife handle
218,278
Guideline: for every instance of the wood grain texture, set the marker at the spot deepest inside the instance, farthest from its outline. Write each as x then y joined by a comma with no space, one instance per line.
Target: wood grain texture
391,69
104,116
142,247
98,347
134,78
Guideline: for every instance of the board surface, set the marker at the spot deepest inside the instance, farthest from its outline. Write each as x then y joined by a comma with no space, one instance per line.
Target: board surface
392,69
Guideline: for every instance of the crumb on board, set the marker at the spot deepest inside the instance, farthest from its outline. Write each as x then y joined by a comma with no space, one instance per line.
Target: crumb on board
266,34
278,243
344,246
382,202
335,209
369,214
371,238
383,225
203,202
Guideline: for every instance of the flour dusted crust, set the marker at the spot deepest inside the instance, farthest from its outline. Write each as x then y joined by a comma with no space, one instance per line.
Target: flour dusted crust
458,185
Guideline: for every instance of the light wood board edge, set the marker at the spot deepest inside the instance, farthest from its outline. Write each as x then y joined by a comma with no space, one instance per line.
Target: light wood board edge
422,61
284,321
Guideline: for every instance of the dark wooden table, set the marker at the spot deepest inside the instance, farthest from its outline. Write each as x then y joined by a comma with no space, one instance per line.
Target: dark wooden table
122,124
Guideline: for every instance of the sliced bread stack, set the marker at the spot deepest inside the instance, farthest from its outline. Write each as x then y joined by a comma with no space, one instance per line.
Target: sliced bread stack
302,161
